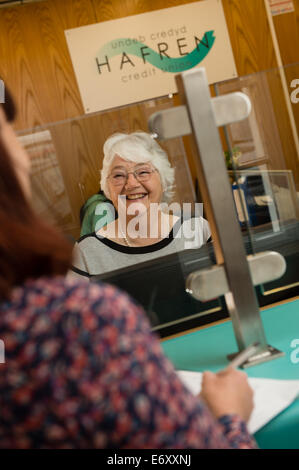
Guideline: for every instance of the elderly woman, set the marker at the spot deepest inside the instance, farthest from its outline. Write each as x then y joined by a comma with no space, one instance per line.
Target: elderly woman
137,177
82,368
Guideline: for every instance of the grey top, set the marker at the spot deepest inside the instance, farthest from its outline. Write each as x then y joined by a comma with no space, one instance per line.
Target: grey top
94,254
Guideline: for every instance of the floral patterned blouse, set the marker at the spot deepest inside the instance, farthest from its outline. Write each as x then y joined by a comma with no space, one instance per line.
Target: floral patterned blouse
83,370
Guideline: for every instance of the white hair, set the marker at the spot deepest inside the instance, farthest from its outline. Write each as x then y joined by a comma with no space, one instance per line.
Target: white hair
137,147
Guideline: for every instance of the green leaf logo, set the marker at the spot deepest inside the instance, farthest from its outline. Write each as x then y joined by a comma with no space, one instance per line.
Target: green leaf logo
128,47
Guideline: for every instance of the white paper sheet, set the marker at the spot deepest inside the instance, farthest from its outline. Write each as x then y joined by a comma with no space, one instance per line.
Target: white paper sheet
270,396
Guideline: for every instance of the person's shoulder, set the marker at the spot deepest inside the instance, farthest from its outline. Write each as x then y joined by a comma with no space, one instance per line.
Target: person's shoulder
90,243
52,288
55,288
96,237
66,294
69,311
87,238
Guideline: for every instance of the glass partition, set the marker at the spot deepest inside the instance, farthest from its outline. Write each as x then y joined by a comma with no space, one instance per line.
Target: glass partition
67,157
261,153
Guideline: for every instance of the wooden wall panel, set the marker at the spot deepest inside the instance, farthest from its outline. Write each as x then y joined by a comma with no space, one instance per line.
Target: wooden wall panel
36,65
250,35
283,122
254,51
112,9
35,61
287,32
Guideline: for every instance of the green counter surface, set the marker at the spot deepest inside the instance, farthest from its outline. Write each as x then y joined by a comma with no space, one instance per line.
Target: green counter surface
206,349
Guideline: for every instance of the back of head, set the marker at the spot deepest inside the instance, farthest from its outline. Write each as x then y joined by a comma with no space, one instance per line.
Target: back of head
29,248
137,147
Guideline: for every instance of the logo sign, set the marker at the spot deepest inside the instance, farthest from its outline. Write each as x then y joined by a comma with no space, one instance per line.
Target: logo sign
136,58
278,7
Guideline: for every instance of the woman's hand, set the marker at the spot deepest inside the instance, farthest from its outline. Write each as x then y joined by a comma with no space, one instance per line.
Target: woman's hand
227,392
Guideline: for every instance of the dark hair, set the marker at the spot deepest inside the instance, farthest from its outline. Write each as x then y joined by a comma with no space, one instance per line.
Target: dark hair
29,248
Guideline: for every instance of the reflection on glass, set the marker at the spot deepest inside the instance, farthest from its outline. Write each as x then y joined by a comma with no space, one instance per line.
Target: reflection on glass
50,199
265,198
267,204
264,179
265,176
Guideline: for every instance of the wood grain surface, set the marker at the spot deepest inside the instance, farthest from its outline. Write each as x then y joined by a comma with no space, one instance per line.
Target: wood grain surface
250,35
35,64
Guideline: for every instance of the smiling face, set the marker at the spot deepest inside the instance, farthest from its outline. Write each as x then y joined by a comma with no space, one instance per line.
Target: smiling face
146,192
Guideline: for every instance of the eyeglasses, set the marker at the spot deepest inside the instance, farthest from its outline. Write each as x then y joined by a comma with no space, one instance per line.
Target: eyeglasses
120,177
